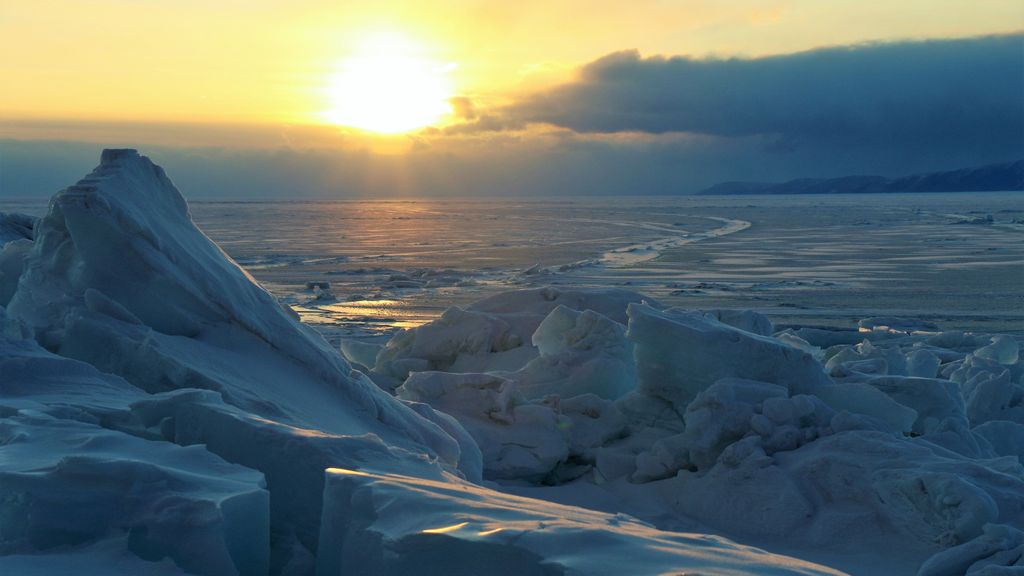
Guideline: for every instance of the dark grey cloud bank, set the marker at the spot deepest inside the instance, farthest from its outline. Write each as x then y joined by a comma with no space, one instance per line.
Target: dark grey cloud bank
632,125
935,97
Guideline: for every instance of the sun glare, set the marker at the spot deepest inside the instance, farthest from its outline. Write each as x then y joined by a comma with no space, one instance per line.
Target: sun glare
389,87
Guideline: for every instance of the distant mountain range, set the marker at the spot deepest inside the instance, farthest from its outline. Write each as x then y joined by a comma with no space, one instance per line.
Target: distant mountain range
989,178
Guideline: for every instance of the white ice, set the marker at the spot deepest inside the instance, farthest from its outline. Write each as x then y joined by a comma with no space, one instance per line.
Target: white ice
900,448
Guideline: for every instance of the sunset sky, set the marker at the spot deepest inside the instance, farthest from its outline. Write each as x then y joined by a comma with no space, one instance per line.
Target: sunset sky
375,98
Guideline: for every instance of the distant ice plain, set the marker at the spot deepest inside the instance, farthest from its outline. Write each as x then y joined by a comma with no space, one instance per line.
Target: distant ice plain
809,260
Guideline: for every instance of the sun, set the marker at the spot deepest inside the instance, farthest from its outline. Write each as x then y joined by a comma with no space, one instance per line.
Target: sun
388,87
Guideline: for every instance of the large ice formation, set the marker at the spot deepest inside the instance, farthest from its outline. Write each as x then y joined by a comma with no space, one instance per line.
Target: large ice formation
881,450
162,413
119,277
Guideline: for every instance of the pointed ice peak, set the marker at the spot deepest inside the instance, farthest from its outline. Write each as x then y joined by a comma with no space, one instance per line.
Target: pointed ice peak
134,184
111,155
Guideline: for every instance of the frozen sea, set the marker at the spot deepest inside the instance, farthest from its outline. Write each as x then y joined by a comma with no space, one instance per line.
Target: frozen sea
806,260
133,354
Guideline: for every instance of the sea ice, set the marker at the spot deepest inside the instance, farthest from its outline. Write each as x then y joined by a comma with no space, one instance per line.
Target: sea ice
727,423
518,440
16,227
360,352
119,277
679,354
580,353
78,470
159,408
16,235
392,525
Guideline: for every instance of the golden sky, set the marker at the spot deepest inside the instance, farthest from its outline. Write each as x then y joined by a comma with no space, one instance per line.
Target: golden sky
275,61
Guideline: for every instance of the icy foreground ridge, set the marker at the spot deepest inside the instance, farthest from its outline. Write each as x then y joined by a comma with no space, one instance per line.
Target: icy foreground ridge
160,413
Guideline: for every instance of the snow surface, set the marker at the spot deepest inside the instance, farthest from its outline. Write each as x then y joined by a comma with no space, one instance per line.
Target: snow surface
75,470
15,227
392,524
16,234
161,412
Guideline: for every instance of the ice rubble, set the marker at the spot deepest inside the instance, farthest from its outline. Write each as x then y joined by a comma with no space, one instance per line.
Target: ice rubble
75,471
680,353
496,334
900,440
159,409
518,440
15,226
16,234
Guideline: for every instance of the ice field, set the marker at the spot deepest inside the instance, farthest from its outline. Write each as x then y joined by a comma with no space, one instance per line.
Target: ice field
816,260
773,385
813,260
820,260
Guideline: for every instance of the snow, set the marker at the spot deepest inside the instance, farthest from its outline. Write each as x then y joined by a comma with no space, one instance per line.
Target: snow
746,320
637,253
934,401
76,471
15,226
71,483
1006,438
726,412
580,353
118,277
1003,350
991,554
16,235
517,439
495,334
110,558
161,412
539,302
460,340
867,400
923,363
895,324
390,524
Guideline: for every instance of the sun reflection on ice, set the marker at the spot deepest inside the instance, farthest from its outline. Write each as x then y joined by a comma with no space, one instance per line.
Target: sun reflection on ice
445,529
392,312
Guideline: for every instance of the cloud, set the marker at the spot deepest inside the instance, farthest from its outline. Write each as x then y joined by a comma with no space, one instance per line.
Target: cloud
498,165
626,125
935,97
491,165
463,108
